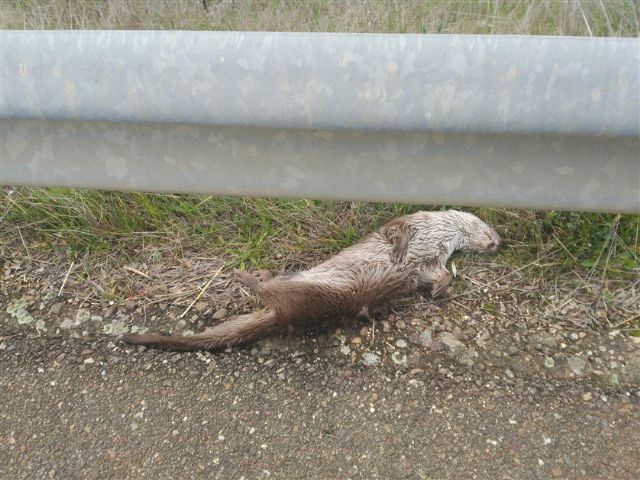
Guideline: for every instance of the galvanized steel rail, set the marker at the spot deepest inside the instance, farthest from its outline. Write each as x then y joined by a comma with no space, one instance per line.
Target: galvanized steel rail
506,121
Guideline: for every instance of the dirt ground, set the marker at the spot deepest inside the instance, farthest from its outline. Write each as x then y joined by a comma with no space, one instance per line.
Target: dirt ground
504,377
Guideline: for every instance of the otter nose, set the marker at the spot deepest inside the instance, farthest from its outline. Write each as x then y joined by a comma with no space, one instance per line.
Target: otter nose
495,243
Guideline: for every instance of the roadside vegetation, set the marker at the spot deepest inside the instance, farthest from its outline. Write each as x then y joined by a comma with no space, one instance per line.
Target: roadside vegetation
278,233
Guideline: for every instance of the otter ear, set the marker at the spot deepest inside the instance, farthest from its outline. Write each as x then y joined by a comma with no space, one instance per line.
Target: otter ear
398,233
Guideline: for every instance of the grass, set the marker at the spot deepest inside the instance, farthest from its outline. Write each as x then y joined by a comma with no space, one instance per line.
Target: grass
275,233
536,17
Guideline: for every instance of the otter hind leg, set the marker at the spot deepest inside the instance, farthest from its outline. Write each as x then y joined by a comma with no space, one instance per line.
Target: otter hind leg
249,280
264,275
398,233
441,283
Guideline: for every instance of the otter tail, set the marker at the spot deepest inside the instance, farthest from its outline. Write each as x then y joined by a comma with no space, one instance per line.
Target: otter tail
232,332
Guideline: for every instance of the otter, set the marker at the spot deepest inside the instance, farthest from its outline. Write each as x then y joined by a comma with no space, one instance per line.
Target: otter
406,254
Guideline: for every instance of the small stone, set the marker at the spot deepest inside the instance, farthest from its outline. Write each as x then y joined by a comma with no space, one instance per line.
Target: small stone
89,361
399,359
369,359
18,310
574,336
364,331
117,328
129,304
426,339
549,362
67,323
509,373
577,364
200,306
220,314
452,344
345,350
56,308
556,471
356,341
82,315
586,396
400,324
400,343
467,355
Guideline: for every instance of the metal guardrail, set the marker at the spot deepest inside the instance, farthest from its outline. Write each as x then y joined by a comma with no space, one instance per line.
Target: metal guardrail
514,121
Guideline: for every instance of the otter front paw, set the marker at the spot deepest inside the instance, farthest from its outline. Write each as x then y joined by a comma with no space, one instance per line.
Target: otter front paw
440,284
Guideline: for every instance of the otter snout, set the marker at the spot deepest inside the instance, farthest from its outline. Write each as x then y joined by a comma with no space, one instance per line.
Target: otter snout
494,241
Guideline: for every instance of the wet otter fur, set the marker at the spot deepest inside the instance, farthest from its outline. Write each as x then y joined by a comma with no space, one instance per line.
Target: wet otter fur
404,255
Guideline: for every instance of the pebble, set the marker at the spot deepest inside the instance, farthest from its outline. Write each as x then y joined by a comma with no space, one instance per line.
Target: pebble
129,304
82,315
401,343
56,308
399,359
586,396
200,306
68,323
369,359
345,350
426,339
18,310
89,360
451,342
457,332
577,364
220,314
549,362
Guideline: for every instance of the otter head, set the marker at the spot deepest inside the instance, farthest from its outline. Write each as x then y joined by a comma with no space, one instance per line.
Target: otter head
476,236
